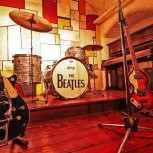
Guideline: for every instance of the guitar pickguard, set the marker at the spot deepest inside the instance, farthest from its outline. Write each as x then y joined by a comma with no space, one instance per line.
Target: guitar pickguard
16,114
10,89
140,95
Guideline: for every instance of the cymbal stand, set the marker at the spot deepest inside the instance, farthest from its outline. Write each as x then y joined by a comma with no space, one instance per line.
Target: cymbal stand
94,90
130,123
32,21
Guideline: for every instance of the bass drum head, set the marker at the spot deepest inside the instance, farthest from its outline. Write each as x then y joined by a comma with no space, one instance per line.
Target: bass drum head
70,78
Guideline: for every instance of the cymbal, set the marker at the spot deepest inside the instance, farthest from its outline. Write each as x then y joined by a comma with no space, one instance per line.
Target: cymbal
93,47
25,19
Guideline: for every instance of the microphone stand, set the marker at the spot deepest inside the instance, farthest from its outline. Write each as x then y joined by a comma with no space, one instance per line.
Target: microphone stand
130,123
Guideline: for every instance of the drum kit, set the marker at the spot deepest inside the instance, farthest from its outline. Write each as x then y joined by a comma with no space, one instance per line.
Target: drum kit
32,22
68,78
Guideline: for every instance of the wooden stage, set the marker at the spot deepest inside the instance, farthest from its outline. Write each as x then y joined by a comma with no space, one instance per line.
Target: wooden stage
54,107
71,126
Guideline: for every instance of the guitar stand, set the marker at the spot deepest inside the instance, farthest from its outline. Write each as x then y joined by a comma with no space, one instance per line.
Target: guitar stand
130,123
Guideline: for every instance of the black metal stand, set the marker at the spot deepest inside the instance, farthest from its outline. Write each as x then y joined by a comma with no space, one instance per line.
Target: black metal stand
94,90
147,112
32,21
19,140
130,123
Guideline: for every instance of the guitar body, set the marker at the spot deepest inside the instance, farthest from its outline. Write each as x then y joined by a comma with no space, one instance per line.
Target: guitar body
140,94
19,110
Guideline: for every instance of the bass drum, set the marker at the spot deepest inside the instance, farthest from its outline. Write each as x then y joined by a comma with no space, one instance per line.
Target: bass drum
70,78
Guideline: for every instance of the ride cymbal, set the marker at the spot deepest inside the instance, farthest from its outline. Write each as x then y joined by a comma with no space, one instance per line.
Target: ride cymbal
92,47
30,21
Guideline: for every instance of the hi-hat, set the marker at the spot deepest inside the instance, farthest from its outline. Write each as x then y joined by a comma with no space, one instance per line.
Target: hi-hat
92,47
26,19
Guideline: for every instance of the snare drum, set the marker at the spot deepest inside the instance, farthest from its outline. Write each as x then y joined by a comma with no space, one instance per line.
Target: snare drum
76,52
70,78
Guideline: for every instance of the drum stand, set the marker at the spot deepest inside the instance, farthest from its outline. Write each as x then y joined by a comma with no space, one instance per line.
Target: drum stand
94,83
93,48
32,21
130,123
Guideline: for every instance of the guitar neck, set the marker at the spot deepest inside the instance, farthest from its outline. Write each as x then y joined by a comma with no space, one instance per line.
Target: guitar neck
132,52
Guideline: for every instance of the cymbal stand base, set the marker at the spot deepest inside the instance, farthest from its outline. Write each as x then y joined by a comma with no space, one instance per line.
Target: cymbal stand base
147,112
130,125
32,21
33,99
95,92
99,92
43,97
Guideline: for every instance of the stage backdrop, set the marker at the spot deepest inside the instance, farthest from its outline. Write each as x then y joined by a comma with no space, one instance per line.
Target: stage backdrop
71,27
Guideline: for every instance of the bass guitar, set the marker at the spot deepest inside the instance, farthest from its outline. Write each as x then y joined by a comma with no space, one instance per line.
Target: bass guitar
141,96
14,113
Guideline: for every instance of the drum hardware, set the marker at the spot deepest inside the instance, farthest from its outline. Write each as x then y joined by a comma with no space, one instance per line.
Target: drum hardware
49,88
93,48
32,22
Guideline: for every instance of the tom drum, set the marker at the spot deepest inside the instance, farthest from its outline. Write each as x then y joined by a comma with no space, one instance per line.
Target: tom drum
77,52
27,67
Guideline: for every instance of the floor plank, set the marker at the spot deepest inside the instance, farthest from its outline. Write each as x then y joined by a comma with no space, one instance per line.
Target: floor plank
80,134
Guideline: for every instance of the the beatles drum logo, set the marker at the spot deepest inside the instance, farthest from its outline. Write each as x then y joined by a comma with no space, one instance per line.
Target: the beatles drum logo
71,83
70,78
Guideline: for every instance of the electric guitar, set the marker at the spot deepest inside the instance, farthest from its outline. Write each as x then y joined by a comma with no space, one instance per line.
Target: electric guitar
140,95
14,113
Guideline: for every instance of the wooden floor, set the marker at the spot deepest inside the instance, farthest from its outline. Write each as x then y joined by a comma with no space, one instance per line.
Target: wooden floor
79,133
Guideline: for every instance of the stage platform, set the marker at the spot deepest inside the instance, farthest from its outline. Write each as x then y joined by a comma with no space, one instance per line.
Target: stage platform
42,108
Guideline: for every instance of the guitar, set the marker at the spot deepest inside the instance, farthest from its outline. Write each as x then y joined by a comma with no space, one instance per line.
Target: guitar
140,94
14,113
